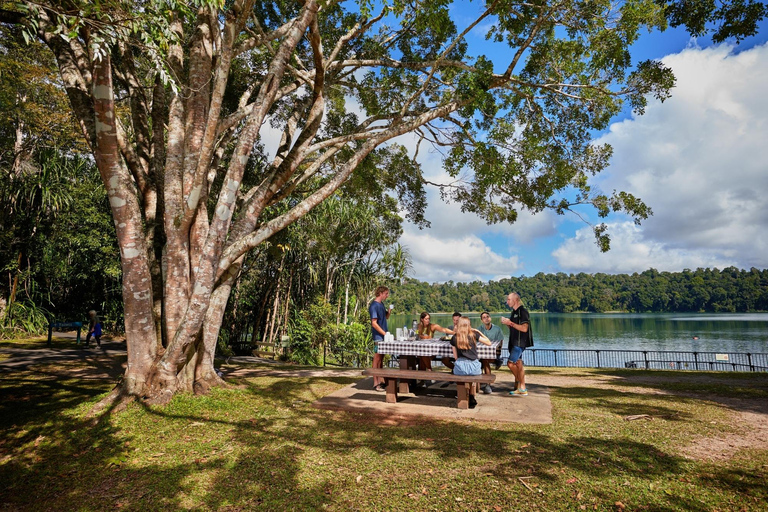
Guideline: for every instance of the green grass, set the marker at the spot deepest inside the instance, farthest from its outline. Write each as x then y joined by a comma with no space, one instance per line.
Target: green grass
260,445
41,342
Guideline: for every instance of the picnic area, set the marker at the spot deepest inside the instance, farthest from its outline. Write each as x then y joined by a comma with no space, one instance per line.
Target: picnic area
277,438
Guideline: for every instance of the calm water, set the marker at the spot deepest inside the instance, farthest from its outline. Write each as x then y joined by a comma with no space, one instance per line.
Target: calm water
745,332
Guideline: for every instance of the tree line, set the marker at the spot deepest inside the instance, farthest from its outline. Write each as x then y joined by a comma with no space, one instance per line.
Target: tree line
702,290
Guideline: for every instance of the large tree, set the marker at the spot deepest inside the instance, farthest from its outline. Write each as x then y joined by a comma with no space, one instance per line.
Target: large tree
174,97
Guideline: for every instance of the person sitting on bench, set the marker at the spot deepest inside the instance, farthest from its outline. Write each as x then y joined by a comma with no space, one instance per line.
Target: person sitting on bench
426,331
464,344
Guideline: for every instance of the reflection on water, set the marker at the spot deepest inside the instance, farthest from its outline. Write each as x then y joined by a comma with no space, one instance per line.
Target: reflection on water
635,331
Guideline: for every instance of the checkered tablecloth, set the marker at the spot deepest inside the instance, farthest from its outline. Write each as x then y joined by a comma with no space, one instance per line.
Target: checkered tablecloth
433,347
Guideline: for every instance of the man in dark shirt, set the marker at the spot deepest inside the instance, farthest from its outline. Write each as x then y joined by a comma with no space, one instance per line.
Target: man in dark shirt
520,337
379,315
448,361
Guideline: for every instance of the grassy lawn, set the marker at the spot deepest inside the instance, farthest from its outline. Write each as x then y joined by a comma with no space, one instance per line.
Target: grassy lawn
260,445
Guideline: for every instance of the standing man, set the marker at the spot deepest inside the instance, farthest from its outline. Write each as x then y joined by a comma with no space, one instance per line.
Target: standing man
520,337
493,333
379,315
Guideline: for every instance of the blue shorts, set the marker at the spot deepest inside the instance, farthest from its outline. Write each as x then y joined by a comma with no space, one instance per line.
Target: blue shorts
516,354
466,366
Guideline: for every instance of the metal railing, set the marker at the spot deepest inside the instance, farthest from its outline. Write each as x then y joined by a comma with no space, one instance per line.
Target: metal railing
638,359
646,359
587,358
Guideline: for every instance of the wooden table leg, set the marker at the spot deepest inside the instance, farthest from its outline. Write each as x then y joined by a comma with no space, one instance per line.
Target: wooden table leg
391,385
407,363
462,391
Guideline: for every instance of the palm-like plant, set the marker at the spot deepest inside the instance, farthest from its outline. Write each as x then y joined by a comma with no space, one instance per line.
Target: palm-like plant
29,199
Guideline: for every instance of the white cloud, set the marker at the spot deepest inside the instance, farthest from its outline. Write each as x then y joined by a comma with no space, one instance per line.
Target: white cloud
461,258
630,252
434,250
700,160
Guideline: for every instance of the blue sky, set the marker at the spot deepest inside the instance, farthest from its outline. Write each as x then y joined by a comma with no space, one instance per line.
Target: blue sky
700,160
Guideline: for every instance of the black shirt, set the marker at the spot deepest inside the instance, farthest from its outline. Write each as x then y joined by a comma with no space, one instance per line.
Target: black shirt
520,338
471,352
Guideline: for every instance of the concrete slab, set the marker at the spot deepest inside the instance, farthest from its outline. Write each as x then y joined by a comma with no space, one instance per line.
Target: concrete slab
438,401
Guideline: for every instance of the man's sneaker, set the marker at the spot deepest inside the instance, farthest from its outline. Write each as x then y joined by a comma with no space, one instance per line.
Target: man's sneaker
472,403
487,389
521,392
380,388
498,363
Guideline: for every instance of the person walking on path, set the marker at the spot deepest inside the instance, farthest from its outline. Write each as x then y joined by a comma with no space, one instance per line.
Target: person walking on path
520,338
94,329
493,333
379,315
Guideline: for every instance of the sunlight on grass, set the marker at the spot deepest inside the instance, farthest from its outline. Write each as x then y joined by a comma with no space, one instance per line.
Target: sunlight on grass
260,445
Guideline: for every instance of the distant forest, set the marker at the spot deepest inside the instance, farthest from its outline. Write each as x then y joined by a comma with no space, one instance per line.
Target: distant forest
701,290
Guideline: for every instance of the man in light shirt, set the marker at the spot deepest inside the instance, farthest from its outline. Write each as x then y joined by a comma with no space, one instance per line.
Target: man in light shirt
493,333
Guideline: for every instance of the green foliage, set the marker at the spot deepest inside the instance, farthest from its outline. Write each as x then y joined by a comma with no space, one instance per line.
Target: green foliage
308,330
22,318
57,236
727,18
350,343
341,250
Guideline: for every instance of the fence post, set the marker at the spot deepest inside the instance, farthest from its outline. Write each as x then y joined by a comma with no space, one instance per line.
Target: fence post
645,356
749,360
598,358
555,352
696,360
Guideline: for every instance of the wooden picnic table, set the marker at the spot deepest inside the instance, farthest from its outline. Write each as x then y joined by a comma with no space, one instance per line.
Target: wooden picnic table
408,350
466,385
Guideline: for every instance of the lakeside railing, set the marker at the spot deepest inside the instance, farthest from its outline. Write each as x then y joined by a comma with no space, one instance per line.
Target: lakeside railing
588,358
646,359
640,359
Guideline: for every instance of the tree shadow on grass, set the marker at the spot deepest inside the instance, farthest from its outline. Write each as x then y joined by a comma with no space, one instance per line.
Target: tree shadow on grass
747,392
261,446
626,404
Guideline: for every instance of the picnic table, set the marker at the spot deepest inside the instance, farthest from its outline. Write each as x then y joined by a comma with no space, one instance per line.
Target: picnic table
408,350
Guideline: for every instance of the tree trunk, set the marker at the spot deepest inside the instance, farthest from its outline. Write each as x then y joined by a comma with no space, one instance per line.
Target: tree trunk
15,285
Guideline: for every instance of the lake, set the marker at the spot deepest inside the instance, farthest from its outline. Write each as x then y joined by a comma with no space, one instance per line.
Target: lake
689,332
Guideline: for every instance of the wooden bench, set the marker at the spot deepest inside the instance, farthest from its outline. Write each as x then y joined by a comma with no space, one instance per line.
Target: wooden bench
466,385
64,326
264,350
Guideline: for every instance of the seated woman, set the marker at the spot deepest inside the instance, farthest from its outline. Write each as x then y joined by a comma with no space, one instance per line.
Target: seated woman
426,331
464,344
